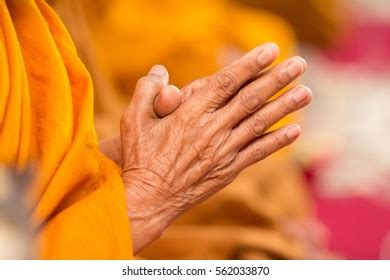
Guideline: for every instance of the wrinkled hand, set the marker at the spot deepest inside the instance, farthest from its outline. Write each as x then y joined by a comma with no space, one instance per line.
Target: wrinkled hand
166,102
171,164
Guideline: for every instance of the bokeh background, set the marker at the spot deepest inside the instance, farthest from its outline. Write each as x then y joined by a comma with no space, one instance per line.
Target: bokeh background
328,196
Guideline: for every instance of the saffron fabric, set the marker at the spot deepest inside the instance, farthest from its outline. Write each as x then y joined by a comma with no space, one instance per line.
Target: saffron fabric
77,199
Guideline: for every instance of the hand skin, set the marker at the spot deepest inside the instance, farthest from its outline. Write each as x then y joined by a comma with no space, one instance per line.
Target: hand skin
173,163
181,147
166,102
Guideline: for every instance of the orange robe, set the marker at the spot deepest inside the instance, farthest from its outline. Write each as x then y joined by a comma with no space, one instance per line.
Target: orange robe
77,200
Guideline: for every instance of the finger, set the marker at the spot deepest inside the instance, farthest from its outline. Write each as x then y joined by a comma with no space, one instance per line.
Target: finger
167,101
253,96
230,79
146,91
160,73
258,123
265,146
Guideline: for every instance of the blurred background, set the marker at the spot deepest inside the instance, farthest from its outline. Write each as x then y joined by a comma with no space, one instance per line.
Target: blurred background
328,196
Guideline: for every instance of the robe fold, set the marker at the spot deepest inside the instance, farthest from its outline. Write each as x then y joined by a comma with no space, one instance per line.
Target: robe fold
77,200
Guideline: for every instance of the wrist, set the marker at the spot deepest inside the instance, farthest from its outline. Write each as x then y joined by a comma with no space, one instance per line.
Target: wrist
149,215
145,229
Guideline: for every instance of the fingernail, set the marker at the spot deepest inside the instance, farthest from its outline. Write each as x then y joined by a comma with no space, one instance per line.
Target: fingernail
293,132
265,54
300,94
158,70
295,67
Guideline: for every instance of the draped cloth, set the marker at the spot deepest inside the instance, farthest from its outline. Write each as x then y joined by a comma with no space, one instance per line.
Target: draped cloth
77,198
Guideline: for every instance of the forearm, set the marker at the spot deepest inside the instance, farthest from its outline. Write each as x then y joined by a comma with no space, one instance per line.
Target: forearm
148,221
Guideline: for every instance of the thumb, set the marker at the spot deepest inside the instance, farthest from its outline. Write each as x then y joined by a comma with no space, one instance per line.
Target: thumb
167,101
146,91
160,73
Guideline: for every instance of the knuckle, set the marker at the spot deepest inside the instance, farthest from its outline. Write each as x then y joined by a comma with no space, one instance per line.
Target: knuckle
258,124
258,151
278,141
249,100
147,83
205,167
224,172
225,83
143,81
